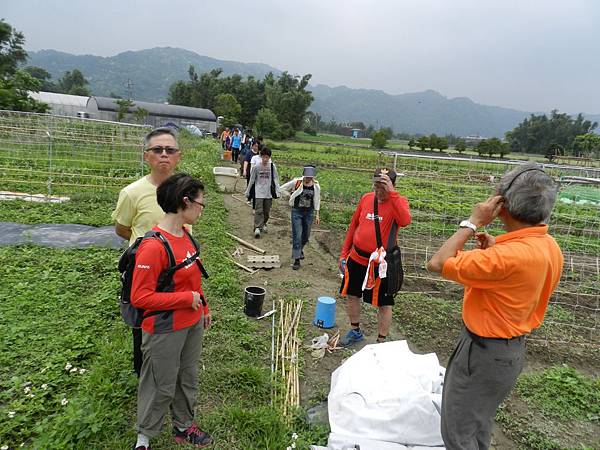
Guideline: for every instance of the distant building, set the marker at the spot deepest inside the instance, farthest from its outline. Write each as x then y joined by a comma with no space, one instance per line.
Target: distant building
356,133
62,104
472,140
105,108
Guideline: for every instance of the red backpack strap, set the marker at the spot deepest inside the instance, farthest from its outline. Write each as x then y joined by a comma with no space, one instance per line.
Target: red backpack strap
298,184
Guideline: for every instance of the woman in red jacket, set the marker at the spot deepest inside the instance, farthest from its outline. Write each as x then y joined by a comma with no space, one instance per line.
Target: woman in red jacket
174,322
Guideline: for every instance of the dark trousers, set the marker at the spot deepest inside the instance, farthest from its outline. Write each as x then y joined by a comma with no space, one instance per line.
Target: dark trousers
301,223
235,152
137,350
481,372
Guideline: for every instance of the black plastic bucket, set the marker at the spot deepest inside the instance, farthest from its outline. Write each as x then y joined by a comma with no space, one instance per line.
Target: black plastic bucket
253,300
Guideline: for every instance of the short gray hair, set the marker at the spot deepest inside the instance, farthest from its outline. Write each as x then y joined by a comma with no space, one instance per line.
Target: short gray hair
529,193
158,132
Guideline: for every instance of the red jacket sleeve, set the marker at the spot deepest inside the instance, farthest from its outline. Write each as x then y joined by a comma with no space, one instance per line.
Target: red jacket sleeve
151,259
400,208
350,233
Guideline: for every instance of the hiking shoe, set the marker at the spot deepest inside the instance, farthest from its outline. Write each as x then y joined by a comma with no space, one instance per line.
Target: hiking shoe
351,338
264,228
257,233
141,447
296,265
192,436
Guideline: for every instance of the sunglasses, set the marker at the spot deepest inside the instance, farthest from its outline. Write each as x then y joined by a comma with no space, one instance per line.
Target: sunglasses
159,149
198,203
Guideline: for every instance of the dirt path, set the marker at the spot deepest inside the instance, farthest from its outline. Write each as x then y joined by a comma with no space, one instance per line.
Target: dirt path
317,277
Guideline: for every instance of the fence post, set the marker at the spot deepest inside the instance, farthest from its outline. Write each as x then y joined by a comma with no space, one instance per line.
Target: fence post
49,182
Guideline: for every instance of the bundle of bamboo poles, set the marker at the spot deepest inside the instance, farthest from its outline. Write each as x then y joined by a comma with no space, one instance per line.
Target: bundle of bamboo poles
286,360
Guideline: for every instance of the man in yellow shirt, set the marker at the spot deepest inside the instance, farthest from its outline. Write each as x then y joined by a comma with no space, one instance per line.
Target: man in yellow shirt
137,209
508,282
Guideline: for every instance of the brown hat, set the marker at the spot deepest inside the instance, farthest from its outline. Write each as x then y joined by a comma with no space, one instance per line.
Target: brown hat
389,172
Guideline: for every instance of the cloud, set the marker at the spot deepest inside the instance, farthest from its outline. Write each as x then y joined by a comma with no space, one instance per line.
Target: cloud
534,55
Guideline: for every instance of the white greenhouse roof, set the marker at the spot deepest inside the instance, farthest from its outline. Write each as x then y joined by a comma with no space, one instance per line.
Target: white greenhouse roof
53,98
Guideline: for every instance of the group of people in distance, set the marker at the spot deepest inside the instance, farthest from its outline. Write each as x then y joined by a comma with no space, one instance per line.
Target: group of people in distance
263,186
508,282
236,141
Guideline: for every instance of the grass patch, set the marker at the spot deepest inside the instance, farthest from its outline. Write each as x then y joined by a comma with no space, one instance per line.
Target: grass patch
62,312
563,393
431,323
62,308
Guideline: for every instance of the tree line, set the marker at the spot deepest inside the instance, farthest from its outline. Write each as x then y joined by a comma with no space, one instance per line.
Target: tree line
274,106
556,134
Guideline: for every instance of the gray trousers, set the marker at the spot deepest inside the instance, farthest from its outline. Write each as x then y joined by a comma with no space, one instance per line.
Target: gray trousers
169,378
262,211
481,372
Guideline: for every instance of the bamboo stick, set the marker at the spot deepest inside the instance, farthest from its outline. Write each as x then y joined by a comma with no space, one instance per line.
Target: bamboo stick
247,269
246,243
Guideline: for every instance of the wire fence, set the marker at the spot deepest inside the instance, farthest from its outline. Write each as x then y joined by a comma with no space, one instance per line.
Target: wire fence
442,191
50,156
62,156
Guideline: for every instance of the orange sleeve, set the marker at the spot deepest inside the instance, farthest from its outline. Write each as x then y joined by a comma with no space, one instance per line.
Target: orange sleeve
476,268
401,210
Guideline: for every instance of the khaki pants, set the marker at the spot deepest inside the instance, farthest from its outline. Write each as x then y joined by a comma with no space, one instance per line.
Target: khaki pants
169,378
262,211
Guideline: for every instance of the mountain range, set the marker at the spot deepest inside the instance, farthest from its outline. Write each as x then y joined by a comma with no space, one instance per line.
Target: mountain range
147,75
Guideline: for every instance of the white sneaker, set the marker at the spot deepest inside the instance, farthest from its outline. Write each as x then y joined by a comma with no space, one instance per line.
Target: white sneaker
257,232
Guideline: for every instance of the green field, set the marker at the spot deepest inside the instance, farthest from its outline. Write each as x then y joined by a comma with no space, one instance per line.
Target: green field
60,312
59,306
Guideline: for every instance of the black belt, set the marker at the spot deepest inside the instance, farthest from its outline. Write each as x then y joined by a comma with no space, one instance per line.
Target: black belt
481,339
362,253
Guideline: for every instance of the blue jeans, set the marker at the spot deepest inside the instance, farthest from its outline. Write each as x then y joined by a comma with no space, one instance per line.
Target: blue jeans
301,223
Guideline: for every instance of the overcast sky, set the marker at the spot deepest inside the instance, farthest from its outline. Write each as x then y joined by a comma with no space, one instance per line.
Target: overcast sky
532,55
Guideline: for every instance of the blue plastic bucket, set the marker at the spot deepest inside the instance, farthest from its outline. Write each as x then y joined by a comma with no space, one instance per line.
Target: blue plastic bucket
325,312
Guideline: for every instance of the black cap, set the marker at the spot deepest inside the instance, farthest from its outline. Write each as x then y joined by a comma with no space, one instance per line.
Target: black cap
389,172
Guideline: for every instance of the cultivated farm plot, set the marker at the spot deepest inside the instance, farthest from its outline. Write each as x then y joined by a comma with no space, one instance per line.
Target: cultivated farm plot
442,192
56,317
51,155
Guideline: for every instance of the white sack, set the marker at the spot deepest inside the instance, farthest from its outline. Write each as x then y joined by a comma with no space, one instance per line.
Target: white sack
385,392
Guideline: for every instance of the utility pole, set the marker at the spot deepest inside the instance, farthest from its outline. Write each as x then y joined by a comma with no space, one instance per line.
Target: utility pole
129,86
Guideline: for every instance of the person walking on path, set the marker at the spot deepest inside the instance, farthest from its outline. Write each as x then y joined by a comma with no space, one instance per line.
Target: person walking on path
263,187
247,161
137,210
305,200
236,145
358,248
507,281
174,321
224,136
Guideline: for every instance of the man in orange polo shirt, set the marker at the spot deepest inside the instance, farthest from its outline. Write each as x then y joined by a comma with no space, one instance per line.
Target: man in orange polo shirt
508,281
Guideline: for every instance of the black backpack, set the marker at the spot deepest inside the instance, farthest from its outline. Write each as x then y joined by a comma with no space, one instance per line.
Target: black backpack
131,315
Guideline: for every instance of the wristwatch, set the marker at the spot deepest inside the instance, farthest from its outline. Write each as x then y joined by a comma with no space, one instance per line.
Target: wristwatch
467,224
